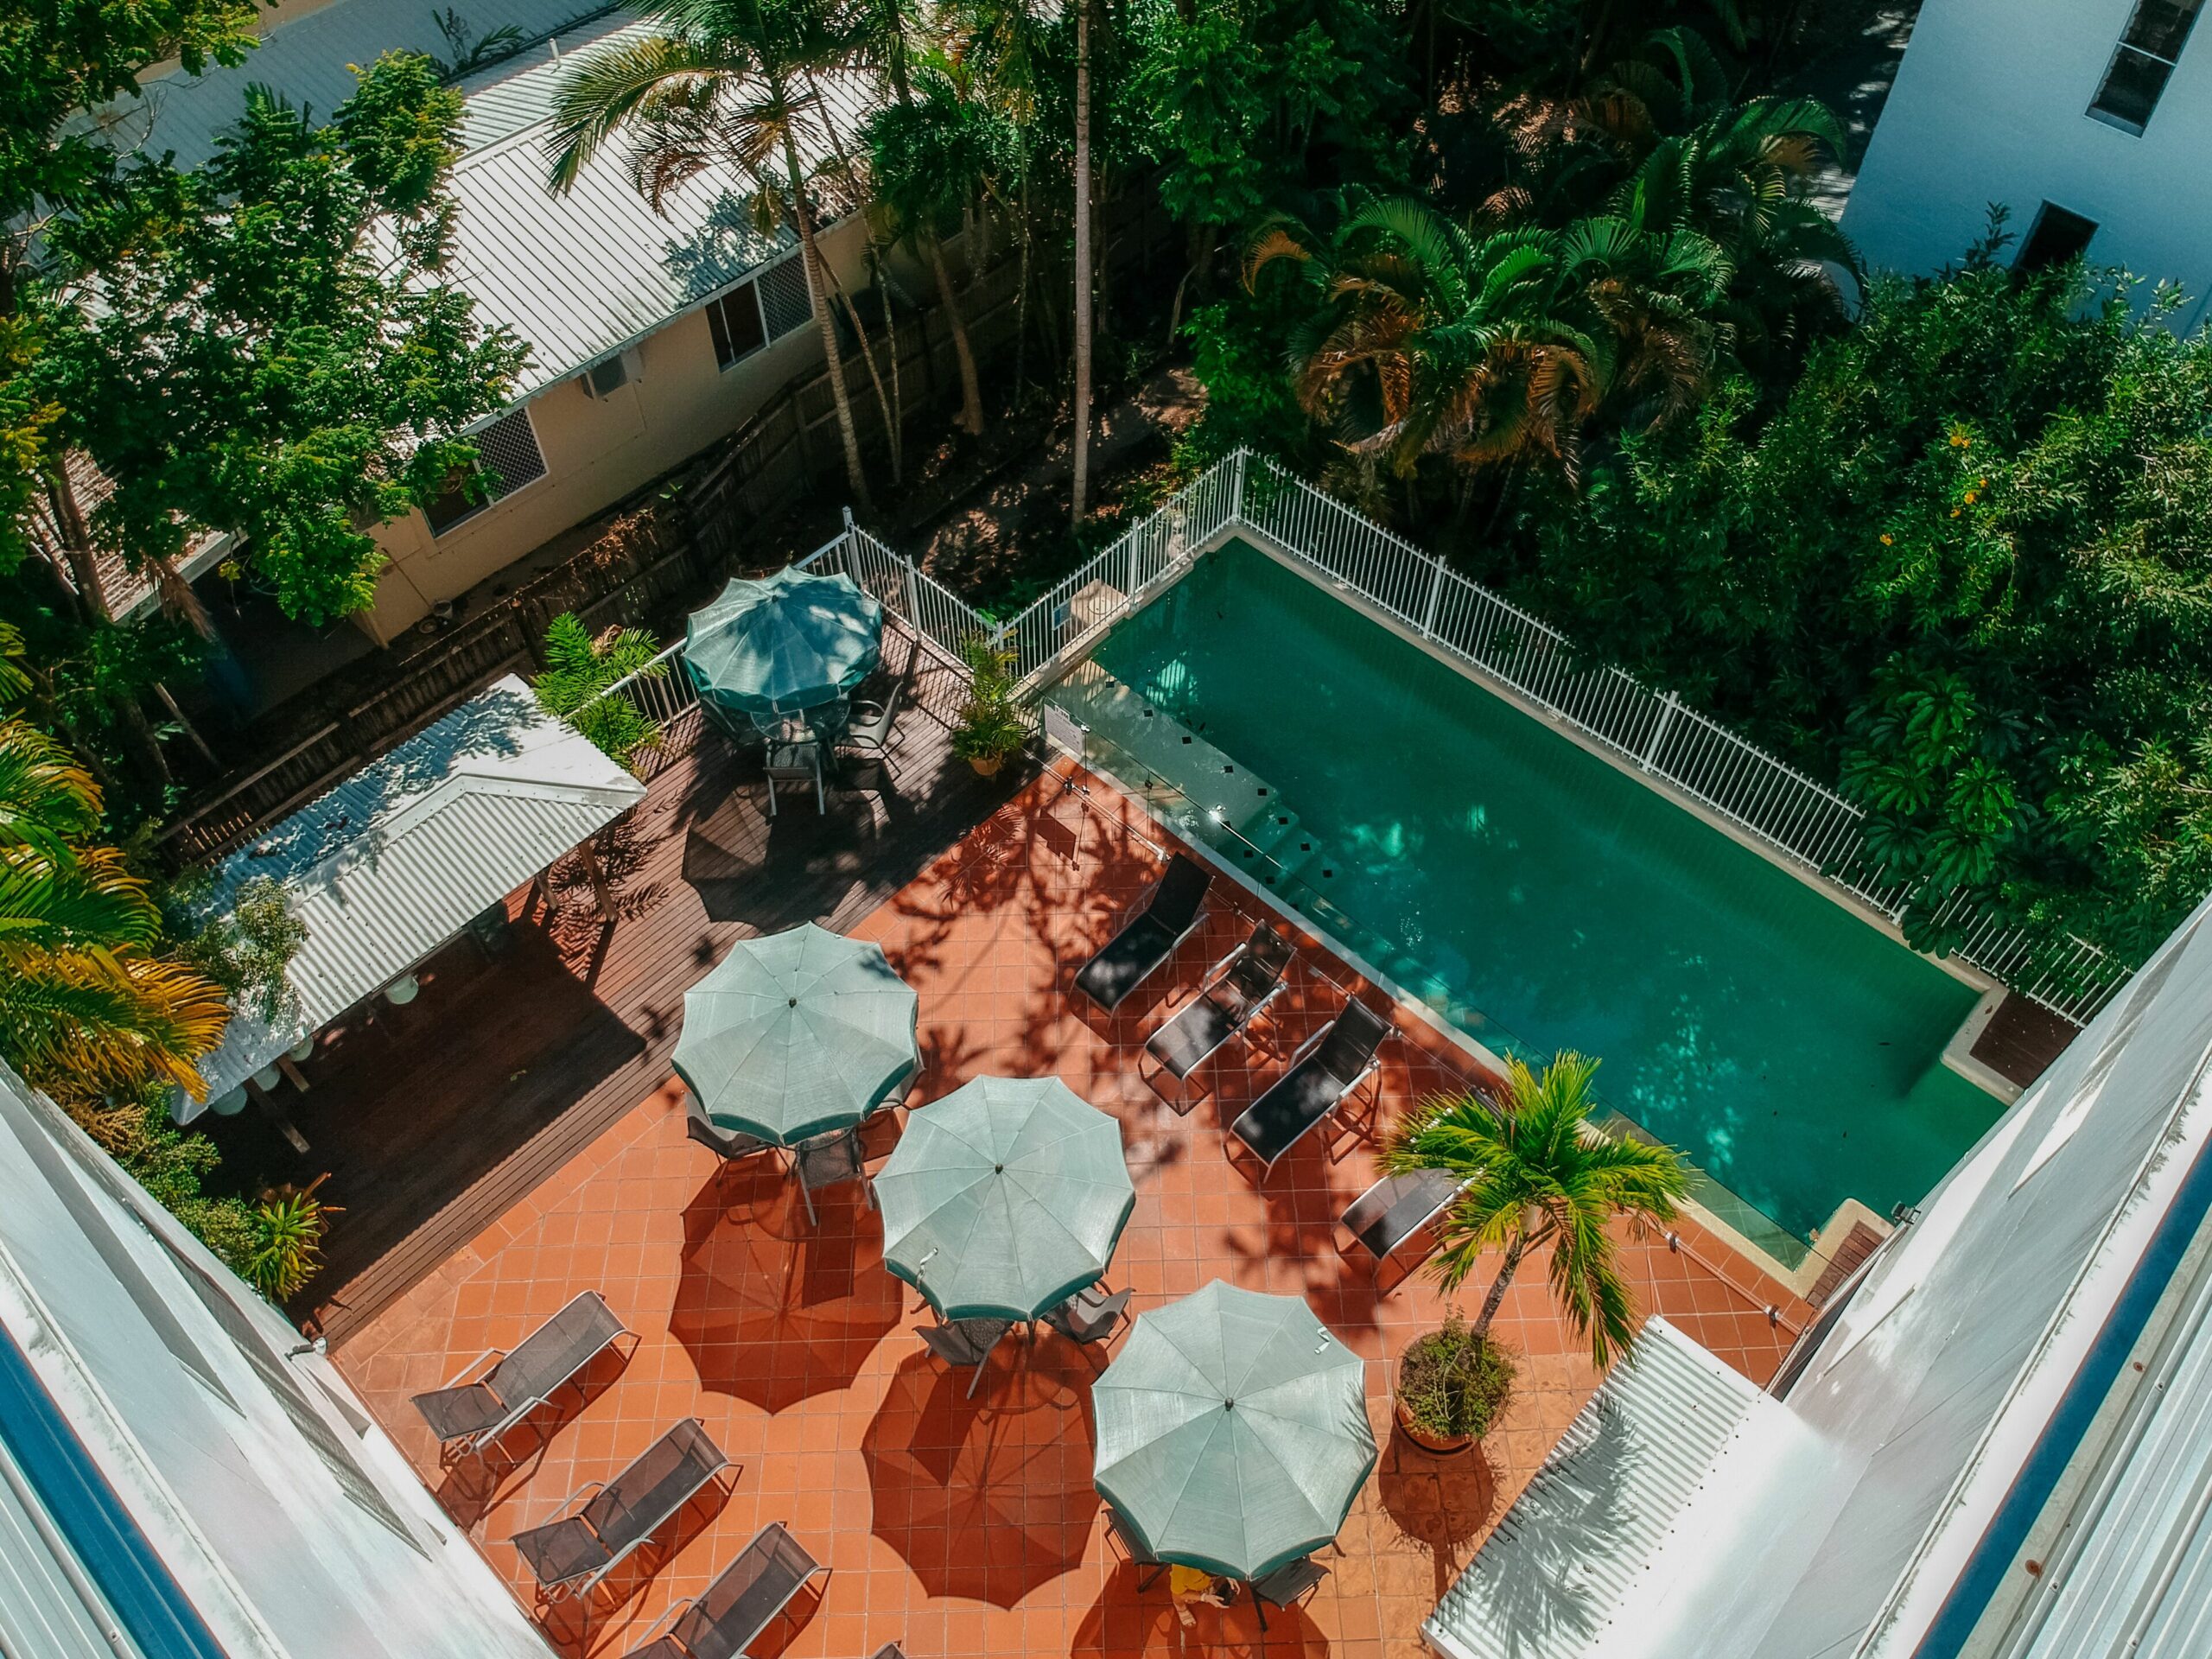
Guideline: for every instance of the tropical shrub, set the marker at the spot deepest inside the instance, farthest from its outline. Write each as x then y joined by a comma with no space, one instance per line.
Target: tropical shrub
284,1230
579,668
990,726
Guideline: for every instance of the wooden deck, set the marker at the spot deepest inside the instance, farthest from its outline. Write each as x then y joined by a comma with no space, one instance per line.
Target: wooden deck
434,1119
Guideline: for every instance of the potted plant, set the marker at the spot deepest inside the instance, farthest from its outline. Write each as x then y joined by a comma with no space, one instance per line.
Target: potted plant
1452,1385
991,725
1535,1173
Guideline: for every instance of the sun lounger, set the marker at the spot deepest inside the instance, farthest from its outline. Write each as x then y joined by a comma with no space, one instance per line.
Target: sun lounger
1332,1062
1287,1585
571,1555
1396,1208
1233,993
966,1342
468,1416
1149,937
746,1598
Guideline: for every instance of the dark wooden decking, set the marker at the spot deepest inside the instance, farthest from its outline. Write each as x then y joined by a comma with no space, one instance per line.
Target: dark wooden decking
2022,1038
434,1119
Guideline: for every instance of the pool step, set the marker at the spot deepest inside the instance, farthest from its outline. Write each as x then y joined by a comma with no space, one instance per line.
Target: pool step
1207,794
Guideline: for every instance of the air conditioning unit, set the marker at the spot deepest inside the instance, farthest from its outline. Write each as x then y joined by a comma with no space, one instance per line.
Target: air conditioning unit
610,374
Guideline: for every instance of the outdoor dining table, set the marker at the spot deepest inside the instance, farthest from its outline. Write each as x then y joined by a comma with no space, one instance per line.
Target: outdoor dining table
790,643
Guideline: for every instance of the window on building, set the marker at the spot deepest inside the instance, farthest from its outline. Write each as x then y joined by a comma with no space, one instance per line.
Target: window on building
507,457
765,307
2143,63
2057,236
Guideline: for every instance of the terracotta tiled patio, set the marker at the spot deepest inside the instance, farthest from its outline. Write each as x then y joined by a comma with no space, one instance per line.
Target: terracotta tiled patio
962,1528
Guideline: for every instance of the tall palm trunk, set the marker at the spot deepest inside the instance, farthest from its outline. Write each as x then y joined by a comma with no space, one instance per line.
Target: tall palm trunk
971,388
1021,295
1499,1286
888,401
1082,453
826,324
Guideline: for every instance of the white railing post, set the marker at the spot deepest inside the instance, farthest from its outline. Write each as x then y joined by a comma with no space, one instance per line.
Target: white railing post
1667,704
1130,586
1236,487
1435,598
913,604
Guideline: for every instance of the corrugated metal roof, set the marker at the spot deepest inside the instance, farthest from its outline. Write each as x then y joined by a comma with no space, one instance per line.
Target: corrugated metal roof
397,859
1547,1584
306,59
578,277
41,1611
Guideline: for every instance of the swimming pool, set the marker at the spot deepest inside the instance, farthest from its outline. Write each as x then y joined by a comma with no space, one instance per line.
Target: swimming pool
1537,896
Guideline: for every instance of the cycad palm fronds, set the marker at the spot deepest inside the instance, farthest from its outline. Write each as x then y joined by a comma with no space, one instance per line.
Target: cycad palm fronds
1536,1174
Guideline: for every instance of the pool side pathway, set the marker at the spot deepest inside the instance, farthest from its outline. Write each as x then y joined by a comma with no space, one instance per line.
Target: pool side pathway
963,1527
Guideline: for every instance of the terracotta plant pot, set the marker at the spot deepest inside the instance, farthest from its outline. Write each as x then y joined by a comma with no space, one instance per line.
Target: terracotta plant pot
986,765
1434,1445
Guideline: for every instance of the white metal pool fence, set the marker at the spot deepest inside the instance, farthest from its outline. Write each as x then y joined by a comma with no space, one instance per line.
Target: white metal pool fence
1252,496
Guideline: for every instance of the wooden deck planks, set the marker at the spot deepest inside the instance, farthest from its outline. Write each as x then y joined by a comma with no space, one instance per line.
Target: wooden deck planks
433,1120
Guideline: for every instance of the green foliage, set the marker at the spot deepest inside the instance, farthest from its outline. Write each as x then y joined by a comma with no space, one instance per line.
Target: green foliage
257,361
578,668
1535,1174
991,725
245,949
1453,1381
1963,572
285,1250
933,157
1241,102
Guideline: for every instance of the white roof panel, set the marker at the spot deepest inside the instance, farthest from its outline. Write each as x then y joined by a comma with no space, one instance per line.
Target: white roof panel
397,860
1548,1582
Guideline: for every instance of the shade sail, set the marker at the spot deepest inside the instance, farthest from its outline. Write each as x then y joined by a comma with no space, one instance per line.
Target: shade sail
1232,1430
1004,1199
791,641
796,1034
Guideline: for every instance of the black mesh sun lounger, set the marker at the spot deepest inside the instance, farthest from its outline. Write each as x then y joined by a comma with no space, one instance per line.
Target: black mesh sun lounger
745,1599
1380,1220
1149,937
468,1416
572,1554
1334,1061
1234,991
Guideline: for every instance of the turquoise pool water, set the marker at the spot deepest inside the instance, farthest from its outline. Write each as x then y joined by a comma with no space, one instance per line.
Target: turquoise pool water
1540,896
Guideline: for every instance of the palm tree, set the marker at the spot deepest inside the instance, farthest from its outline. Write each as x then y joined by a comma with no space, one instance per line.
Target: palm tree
1430,339
1537,1174
86,1006
724,82
1657,293
1082,210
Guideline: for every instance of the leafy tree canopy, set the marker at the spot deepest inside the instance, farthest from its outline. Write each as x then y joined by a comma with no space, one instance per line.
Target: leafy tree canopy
271,345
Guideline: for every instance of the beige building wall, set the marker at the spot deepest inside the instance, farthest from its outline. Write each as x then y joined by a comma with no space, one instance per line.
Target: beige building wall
597,450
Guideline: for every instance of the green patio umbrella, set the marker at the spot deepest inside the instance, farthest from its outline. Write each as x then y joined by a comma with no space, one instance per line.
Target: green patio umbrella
1004,1199
790,642
796,1034
1232,1430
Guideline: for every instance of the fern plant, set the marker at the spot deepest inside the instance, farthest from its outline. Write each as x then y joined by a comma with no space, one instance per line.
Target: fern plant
286,1232
580,667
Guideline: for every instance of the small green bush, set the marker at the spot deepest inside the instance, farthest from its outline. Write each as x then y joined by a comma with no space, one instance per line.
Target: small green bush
1453,1382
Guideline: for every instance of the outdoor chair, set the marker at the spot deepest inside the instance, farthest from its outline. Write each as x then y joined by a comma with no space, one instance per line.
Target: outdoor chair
731,1145
571,1555
1149,937
827,1160
796,760
1395,1210
1149,1567
746,1597
1089,1316
1286,1586
1327,1067
868,732
468,1416
1234,993
965,1342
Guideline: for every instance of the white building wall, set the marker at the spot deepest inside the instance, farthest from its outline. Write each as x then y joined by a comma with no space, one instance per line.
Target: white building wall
1991,104
1845,1521
262,1534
